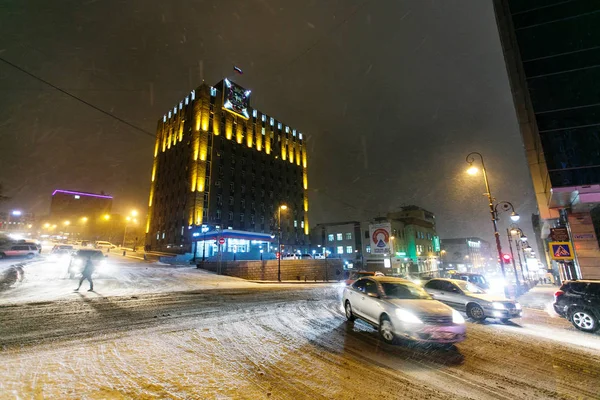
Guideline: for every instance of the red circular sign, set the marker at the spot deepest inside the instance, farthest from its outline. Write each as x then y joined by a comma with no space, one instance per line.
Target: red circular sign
222,241
380,237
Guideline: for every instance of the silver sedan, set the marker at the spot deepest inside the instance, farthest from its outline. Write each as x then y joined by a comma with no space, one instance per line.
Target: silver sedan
465,296
401,309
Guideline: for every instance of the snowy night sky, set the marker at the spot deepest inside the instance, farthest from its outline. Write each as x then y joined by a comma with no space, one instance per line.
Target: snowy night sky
391,94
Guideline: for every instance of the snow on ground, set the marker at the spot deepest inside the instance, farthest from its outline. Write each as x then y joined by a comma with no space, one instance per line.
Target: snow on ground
45,280
270,343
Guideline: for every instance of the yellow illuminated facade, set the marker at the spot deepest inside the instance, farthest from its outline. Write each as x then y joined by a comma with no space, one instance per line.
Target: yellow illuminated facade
228,166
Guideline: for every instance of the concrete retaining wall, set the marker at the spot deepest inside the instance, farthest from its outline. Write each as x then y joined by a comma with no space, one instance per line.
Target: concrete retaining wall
291,270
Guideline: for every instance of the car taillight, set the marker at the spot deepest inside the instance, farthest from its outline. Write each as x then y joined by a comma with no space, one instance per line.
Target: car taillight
557,294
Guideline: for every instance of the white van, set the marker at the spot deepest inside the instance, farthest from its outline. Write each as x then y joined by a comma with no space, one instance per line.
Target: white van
104,245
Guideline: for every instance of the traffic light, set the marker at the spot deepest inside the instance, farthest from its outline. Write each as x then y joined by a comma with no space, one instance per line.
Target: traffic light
506,258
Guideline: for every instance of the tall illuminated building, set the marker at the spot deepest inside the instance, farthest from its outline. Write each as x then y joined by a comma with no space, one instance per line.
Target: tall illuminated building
552,54
221,167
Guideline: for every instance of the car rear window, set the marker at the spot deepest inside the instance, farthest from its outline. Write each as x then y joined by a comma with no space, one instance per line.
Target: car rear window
577,287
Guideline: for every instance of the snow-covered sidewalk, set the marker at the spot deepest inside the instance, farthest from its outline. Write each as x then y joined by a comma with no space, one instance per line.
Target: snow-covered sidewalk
46,281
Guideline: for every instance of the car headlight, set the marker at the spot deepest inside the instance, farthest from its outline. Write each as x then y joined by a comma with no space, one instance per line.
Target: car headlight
518,306
457,318
498,306
417,282
408,317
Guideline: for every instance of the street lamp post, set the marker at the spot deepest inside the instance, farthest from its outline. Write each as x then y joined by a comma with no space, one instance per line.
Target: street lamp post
281,207
472,171
521,238
513,257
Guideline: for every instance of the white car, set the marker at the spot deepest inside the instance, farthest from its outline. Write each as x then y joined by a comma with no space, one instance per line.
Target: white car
104,245
470,298
401,309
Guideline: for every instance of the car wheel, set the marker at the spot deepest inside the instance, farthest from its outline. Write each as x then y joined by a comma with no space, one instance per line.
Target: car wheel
2,255
386,329
584,320
475,312
349,314
30,256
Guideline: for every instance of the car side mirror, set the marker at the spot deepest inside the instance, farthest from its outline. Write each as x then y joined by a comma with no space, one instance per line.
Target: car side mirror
376,295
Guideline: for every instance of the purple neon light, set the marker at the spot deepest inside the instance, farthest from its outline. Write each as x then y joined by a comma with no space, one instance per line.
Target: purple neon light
81,194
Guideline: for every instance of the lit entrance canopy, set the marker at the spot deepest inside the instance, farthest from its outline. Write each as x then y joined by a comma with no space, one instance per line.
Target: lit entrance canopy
233,234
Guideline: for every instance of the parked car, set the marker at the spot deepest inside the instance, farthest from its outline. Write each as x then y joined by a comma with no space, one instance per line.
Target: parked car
579,302
28,250
104,245
401,309
80,257
466,296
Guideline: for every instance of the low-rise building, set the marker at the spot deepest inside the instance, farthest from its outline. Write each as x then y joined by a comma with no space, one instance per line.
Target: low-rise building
470,254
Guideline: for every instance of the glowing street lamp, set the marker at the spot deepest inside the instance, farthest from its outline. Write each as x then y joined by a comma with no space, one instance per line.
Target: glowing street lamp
282,207
106,217
84,219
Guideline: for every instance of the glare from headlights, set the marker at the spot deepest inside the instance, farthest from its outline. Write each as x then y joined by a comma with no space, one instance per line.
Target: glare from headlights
417,282
457,318
518,306
498,306
408,317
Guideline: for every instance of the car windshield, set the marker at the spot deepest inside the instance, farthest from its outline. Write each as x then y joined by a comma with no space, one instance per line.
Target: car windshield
404,291
469,287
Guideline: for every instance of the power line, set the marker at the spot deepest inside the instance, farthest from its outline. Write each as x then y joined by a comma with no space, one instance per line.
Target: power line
137,128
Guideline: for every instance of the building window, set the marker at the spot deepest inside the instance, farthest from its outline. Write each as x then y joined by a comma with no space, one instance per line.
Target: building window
366,234
348,235
340,249
218,215
230,216
230,200
368,249
243,203
218,183
302,224
295,224
348,249
241,217
330,237
339,236
231,187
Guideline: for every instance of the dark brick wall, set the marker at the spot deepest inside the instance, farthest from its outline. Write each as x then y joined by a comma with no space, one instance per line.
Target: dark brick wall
291,270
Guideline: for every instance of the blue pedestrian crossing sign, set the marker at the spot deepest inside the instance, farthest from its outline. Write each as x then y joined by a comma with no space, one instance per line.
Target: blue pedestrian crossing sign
561,251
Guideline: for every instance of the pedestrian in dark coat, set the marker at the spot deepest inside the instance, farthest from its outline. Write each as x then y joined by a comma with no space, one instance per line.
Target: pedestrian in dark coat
87,272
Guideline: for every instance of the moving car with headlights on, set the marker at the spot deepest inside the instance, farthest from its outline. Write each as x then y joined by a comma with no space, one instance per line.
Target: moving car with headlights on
466,296
579,302
61,252
402,310
80,257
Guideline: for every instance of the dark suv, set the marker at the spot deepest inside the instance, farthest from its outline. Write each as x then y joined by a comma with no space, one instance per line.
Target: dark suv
579,302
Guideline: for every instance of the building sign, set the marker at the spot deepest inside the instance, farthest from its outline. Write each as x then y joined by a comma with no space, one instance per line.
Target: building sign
236,99
436,244
474,244
380,238
559,234
561,251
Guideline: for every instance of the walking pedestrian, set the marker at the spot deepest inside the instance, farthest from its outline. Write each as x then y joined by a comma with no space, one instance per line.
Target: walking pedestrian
87,272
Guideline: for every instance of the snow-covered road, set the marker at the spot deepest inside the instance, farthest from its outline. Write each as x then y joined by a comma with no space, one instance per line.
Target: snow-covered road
268,341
